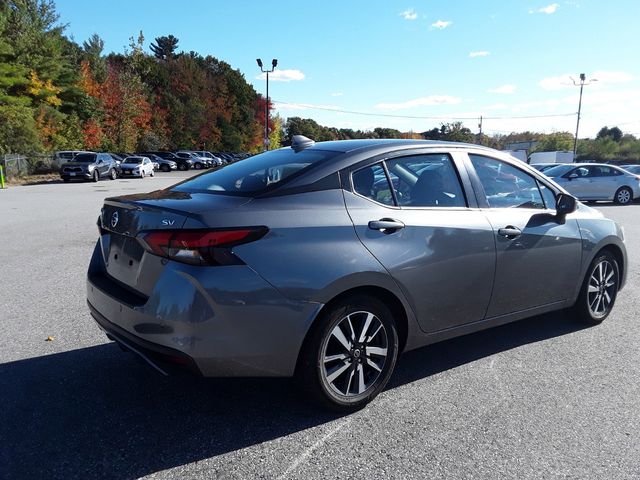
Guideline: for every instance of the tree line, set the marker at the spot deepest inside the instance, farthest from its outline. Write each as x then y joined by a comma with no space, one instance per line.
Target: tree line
56,94
610,144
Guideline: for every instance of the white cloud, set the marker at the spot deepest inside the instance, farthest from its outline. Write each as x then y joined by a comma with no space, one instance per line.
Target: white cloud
336,94
283,76
507,89
480,53
549,9
441,24
409,14
420,102
602,76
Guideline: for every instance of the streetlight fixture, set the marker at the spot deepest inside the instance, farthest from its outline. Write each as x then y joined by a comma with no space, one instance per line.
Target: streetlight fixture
582,83
274,62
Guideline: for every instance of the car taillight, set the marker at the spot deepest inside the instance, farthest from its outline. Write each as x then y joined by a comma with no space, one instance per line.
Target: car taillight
200,247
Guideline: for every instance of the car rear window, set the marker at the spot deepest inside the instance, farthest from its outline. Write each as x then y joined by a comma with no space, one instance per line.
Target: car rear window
258,173
133,160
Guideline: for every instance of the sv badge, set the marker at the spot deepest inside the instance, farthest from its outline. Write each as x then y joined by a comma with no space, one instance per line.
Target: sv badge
168,223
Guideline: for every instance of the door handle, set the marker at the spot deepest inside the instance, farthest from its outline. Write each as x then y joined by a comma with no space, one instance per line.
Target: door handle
386,225
510,232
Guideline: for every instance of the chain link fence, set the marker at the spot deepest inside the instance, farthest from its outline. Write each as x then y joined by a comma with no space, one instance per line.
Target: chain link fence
17,165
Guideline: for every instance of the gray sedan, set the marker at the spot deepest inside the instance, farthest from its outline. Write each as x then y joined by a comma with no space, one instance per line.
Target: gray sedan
597,181
326,261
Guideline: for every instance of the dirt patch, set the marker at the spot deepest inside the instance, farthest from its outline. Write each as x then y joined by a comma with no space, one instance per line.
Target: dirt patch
34,179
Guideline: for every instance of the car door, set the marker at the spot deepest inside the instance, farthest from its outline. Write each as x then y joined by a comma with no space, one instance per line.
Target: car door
538,254
427,233
577,182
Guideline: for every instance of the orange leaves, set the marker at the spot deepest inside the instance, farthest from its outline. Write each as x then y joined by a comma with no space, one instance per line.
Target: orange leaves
87,81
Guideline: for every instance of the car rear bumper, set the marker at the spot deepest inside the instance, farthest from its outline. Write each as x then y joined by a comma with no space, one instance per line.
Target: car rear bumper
224,321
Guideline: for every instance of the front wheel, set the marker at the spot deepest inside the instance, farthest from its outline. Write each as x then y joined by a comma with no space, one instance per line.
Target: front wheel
350,355
96,176
599,290
623,196
197,166
141,173
113,175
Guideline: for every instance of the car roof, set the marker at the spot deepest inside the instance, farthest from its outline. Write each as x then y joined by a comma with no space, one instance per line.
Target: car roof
345,146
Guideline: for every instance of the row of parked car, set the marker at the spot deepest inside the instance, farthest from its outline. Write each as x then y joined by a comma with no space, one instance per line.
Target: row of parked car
96,165
596,181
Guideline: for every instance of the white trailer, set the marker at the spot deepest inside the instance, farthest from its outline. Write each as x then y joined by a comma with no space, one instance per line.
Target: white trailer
551,157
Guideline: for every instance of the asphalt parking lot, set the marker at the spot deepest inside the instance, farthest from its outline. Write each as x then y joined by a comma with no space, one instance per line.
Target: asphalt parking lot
541,398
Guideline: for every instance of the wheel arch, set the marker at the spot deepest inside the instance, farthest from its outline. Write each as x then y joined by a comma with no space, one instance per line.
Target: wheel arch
389,298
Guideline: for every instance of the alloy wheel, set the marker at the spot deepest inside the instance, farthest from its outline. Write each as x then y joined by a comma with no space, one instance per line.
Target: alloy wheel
623,196
601,289
354,354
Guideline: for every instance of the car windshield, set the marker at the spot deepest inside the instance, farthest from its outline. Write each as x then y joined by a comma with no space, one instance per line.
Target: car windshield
635,169
257,173
558,171
85,158
133,160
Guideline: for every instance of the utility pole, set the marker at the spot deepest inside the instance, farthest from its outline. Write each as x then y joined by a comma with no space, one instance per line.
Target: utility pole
582,83
480,125
274,62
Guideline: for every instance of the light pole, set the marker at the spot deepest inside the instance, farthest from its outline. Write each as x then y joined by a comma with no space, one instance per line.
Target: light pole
274,62
582,83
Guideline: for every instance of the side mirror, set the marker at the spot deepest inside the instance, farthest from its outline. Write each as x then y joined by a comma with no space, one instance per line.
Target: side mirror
565,204
572,176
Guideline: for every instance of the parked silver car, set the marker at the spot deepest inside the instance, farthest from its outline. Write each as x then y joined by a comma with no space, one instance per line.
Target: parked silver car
326,261
597,181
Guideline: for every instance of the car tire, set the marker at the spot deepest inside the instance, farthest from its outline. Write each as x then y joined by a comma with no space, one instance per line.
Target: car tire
182,167
141,173
113,174
153,173
165,168
338,366
96,176
623,196
599,290
198,166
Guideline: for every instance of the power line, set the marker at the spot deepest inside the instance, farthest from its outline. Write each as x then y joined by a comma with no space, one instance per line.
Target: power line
370,114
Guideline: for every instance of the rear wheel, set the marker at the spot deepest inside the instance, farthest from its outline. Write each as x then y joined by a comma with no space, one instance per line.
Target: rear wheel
141,173
350,355
182,167
623,196
599,290
152,173
198,166
165,168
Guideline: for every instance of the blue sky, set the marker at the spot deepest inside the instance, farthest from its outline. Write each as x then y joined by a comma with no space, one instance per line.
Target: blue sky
395,59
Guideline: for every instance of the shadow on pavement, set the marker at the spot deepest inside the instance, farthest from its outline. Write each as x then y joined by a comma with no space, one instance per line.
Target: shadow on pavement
97,412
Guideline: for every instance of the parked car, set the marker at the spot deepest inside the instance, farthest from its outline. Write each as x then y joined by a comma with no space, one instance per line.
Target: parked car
137,166
164,165
89,166
215,160
597,181
182,163
198,163
287,263
541,167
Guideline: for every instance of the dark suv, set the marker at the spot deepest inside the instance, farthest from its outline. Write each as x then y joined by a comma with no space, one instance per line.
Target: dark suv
183,163
89,166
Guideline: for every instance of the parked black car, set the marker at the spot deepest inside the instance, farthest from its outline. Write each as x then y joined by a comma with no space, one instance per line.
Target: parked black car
89,166
182,163
198,162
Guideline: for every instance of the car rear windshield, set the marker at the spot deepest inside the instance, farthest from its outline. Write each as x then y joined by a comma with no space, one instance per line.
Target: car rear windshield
133,160
258,173
85,158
